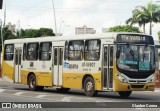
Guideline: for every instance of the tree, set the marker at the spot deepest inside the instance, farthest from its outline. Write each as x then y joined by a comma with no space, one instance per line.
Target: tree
31,33
28,33
46,32
159,36
7,34
145,14
137,17
124,28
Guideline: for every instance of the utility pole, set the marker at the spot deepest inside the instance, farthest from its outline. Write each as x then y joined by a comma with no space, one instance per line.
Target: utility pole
4,23
54,18
1,32
1,4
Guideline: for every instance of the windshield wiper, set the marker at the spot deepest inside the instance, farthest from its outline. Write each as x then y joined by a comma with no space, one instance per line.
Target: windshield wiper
144,55
130,50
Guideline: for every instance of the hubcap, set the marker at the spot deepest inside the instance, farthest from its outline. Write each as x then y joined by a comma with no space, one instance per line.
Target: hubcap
32,83
89,86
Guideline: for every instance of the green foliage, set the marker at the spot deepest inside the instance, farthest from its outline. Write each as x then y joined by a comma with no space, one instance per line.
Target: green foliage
124,28
159,36
31,33
28,33
145,14
7,34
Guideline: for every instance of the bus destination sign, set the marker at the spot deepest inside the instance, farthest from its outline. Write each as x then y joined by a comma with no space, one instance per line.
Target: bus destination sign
134,38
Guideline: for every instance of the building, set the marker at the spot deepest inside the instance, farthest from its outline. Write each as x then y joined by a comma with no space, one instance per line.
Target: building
12,28
84,30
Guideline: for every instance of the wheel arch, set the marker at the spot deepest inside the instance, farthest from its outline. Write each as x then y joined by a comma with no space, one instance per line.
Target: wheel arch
29,74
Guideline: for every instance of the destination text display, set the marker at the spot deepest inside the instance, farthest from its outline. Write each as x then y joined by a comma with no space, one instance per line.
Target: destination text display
135,38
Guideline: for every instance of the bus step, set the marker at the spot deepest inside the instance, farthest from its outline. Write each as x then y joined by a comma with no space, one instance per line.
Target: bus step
109,90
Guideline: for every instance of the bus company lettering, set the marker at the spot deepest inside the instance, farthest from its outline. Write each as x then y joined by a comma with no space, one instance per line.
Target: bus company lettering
70,66
88,64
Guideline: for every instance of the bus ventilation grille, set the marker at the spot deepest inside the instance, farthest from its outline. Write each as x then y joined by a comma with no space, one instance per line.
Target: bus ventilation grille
137,86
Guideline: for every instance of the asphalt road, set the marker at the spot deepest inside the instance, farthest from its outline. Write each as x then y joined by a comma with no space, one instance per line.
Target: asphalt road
10,92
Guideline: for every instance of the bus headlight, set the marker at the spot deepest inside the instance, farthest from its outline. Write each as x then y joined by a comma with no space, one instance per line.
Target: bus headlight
121,78
152,78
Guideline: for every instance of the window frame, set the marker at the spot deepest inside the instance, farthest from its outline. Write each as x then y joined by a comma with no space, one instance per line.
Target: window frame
99,50
24,50
8,52
66,51
40,51
82,54
37,51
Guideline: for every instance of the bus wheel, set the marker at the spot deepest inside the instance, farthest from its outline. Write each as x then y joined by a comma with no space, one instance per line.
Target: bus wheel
89,87
32,83
63,90
125,93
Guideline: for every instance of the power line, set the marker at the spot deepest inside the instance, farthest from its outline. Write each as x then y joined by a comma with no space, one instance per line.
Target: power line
33,5
111,10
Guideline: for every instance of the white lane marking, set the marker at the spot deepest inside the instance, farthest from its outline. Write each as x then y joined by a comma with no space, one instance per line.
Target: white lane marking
140,108
66,99
80,98
19,93
157,91
40,96
2,90
98,101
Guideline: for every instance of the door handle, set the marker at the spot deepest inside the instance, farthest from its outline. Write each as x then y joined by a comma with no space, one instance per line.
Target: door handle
21,66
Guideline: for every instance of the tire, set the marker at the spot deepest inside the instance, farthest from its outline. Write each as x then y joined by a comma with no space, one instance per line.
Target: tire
125,94
63,90
89,87
32,83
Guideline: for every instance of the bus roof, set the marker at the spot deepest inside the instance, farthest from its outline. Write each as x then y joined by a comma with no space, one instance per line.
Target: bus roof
109,35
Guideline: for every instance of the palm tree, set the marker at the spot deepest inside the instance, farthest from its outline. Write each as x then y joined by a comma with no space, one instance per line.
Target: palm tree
152,13
142,15
138,17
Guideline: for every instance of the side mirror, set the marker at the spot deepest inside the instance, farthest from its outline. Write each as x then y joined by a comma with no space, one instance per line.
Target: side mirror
118,54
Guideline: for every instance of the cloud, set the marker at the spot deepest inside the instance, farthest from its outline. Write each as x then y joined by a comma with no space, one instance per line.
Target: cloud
76,13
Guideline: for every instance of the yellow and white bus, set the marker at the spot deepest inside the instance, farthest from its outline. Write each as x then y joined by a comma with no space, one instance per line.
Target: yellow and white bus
117,62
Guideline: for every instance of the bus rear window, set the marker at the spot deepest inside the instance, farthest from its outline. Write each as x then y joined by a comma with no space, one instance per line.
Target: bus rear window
8,52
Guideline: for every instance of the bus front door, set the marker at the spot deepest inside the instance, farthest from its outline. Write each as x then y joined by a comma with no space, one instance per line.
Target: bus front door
57,66
108,67
17,64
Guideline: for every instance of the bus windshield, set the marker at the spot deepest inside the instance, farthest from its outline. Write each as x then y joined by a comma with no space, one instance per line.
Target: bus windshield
135,57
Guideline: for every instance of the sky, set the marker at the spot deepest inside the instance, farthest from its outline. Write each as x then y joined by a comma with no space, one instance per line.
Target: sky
98,14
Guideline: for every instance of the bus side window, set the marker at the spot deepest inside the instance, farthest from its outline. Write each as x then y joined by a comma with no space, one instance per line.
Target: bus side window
32,51
76,50
71,54
92,49
66,50
111,55
9,52
45,51
24,51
